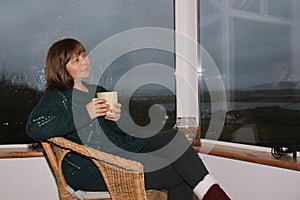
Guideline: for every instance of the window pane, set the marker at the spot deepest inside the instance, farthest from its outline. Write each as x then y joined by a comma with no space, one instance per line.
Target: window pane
280,8
258,61
258,54
211,24
28,28
247,5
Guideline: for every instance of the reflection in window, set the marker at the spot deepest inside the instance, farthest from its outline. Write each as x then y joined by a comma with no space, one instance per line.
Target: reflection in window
280,8
247,5
257,56
28,28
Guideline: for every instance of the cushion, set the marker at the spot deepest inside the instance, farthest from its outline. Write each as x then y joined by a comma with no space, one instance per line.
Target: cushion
79,194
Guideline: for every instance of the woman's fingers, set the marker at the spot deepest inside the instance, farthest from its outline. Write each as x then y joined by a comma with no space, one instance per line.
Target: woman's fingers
98,108
101,108
114,113
112,116
116,109
117,105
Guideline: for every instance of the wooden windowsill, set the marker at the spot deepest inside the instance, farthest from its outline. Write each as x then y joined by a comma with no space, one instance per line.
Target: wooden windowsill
23,152
227,151
253,155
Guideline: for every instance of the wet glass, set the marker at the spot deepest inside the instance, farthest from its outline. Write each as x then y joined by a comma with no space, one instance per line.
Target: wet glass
29,28
255,46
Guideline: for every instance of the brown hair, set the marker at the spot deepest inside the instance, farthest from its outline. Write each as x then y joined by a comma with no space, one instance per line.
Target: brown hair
59,54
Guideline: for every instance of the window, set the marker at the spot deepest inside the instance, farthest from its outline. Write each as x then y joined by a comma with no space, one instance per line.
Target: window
28,28
255,46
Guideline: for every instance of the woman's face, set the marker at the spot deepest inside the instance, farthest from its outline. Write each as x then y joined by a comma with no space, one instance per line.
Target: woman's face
79,67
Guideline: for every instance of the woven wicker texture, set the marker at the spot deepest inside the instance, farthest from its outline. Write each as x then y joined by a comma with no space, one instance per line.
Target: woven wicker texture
124,178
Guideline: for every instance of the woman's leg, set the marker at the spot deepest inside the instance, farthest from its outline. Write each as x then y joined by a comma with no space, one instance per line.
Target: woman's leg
189,167
167,178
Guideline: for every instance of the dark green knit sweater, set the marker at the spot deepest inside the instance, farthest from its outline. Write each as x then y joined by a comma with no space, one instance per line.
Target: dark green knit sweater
63,113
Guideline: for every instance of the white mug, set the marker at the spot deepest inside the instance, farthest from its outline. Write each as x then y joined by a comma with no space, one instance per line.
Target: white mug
110,97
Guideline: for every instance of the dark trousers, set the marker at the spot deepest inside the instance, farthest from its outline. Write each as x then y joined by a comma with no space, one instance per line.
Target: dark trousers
182,175
179,177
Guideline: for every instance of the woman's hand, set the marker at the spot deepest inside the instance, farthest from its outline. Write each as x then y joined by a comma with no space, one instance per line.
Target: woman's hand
114,113
97,108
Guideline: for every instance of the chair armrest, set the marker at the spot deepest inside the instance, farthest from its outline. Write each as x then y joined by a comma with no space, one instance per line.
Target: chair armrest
122,163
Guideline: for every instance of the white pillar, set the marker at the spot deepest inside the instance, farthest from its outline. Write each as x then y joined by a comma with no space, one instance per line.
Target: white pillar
186,48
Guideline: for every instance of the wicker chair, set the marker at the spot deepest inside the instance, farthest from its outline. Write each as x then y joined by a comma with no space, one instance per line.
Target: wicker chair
124,178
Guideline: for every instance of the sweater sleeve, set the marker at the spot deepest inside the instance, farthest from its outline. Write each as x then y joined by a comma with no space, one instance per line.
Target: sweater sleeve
53,117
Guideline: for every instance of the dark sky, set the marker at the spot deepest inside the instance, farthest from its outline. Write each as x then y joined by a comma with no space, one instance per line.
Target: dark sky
28,28
259,38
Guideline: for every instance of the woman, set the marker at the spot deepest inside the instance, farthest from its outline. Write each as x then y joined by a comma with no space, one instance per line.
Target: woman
69,109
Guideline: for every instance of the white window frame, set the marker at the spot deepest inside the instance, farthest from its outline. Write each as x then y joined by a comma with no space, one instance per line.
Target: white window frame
186,22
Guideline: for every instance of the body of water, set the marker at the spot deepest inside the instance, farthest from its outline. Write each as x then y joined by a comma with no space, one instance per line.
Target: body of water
251,105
